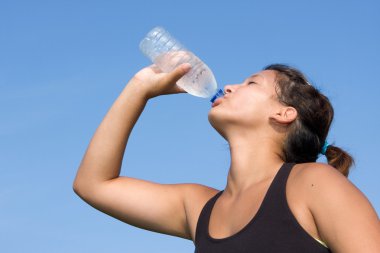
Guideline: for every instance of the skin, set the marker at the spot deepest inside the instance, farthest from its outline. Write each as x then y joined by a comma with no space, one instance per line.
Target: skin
254,123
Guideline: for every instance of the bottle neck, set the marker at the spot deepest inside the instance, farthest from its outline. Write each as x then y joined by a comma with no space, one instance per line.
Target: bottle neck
218,94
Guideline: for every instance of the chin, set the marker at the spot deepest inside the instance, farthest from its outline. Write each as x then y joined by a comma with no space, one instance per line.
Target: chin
213,116
217,121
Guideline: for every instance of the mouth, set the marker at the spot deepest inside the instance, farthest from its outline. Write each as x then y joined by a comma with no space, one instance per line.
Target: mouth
217,102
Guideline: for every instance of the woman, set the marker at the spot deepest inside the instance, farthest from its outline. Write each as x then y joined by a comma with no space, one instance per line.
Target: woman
277,199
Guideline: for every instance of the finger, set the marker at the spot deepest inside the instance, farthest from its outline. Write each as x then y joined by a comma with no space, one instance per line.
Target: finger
177,89
177,73
155,68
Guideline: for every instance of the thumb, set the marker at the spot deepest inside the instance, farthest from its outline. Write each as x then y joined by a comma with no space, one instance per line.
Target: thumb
173,76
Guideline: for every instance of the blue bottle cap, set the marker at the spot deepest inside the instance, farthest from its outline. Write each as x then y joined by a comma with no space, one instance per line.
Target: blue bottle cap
218,94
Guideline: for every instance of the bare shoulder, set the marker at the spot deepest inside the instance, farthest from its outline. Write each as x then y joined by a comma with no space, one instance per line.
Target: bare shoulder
318,171
196,196
319,178
322,183
307,178
337,207
199,190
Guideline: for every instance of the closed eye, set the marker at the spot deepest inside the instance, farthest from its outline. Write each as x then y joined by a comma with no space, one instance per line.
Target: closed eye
251,83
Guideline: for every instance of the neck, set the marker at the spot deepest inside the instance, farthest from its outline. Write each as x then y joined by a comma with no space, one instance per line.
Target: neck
254,159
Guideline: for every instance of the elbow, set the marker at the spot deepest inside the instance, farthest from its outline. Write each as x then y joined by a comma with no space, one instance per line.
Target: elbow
77,188
81,182
85,187
81,190
80,187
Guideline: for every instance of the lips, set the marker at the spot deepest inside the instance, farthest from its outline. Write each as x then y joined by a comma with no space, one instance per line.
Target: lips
217,102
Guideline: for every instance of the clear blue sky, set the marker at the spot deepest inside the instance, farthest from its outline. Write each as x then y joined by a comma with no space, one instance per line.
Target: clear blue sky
63,63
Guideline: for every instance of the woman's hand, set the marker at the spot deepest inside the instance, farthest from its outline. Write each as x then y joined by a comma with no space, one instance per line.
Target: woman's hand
152,82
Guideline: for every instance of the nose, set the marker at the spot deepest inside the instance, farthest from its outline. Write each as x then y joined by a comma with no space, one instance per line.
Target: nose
230,88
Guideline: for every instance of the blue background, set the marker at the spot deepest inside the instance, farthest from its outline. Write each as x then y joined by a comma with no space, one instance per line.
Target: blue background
63,63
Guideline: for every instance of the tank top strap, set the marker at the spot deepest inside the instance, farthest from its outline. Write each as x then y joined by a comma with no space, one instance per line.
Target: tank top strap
279,183
202,224
275,199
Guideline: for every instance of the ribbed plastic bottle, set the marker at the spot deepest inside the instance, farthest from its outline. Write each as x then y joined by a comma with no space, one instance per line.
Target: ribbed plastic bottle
168,53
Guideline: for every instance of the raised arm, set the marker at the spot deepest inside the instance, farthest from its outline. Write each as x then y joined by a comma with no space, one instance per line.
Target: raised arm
144,204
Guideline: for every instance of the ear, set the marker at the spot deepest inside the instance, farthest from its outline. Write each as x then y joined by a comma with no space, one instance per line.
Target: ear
285,115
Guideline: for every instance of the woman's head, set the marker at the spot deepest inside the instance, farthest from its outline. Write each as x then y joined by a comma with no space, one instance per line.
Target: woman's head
279,103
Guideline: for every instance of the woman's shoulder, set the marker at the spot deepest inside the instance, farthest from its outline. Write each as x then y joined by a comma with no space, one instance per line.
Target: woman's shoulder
196,196
317,172
318,180
199,193
336,205
322,185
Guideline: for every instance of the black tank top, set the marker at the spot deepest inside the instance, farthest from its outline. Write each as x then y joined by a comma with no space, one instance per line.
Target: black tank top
273,229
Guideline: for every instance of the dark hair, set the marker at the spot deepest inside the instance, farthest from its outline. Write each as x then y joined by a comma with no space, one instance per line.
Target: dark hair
308,133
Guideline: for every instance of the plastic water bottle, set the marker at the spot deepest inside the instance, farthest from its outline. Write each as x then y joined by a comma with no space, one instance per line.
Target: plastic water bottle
168,53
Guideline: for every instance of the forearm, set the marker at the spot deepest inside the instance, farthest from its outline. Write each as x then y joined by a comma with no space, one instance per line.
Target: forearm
104,155
102,160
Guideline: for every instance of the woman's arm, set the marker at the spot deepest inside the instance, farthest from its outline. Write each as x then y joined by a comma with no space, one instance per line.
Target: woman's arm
137,202
345,219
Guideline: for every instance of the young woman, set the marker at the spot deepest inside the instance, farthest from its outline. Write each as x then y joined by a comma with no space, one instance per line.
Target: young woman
277,199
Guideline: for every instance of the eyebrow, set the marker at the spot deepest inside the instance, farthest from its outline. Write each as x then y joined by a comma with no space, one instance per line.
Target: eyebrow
253,76
256,75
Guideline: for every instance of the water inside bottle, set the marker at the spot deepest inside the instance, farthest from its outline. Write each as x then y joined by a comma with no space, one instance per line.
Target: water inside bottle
199,81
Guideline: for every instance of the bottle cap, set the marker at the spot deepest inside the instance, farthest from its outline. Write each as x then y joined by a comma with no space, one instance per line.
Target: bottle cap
218,94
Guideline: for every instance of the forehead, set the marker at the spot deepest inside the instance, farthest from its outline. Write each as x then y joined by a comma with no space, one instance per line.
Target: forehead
267,76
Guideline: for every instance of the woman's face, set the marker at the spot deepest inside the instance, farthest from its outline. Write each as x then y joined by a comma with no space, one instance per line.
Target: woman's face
249,104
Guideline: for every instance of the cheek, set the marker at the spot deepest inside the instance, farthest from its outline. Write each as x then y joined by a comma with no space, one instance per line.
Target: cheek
253,109
249,104
244,112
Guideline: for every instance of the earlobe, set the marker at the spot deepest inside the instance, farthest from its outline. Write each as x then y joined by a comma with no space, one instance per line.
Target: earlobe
286,115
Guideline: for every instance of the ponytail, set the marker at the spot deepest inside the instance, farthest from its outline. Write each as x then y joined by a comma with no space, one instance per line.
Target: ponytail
339,159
